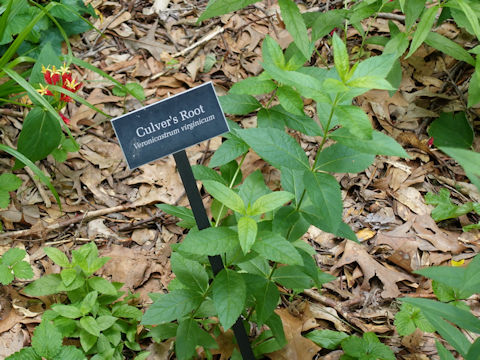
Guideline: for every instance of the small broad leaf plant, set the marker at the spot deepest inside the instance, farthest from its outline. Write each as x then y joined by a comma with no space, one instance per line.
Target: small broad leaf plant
96,313
452,285
13,266
258,231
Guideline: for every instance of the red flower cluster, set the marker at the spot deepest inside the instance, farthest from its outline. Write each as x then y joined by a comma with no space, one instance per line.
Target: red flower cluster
62,77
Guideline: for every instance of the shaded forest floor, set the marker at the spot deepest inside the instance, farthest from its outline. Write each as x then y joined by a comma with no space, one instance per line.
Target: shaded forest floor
162,48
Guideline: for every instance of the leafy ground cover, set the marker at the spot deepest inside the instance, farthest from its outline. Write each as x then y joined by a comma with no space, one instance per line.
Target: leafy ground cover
151,43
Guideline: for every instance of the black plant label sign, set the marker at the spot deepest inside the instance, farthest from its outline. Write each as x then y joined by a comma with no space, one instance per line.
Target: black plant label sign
170,125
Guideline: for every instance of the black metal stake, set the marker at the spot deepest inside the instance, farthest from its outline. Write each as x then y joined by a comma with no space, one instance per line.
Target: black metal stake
200,214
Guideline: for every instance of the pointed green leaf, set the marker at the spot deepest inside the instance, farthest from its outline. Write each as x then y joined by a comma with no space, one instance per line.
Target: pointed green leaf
272,53
449,47
276,147
295,26
324,191
270,202
220,7
188,220
342,159
171,306
327,339
254,85
22,270
6,275
441,131
238,104
340,57
102,285
247,233
210,241
290,100
46,285
189,272
68,311
89,324
474,86
229,295
265,293
9,182
423,28
228,151
444,353
292,277
355,119
189,336
225,195
276,248
57,256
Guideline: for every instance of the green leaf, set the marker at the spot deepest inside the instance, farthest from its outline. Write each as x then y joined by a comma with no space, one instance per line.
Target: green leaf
87,340
449,47
276,147
423,28
104,322
380,144
13,256
225,195
136,90
48,57
326,22
70,353
471,15
253,187
68,276
292,181
444,353
276,248
375,67
355,119
210,241
295,26
163,332
412,10
41,134
370,82
340,57
473,352
254,85
23,270
247,233
89,324
88,302
171,306
396,46
458,316
189,272
441,130
68,311
443,292
445,209
270,202
126,311
203,173
449,332
324,191
47,340
342,159
272,53
302,123
368,347
6,275
24,354
228,151
229,294
238,104
220,7
102,285
57,256
181,212
290,100
46,285
292,277
258,265
474,86
189,336
469,160
327,339
9,182
410,318
265,293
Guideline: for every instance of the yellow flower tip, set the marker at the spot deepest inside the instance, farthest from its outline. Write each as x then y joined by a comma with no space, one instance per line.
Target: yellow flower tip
64,69
457,263
100,15
45,69
71,84
43,90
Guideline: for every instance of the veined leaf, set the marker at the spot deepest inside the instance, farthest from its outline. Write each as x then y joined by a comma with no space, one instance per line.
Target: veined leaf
295,26
471,15
47,340
189,272
276,248
474,86
449,47
276,147
423,28
238,104
441,131
289,99
340,158
265,293
247,233
210,241
229,295
253,86
225,195
270,202
340,57
189,336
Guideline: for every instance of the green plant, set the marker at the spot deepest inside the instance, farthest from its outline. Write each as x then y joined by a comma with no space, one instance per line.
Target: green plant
446,209
95,314
12,265
451,285
367,347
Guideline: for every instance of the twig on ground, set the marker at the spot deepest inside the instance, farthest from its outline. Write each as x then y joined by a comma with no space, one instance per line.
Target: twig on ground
206,38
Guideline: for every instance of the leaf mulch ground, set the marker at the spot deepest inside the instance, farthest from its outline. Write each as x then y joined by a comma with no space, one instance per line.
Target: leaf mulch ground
158,44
